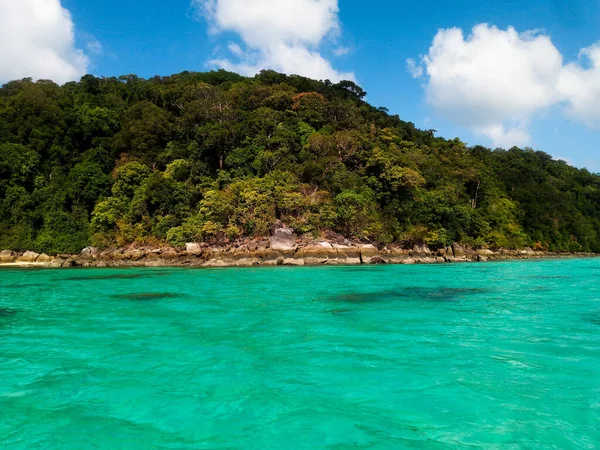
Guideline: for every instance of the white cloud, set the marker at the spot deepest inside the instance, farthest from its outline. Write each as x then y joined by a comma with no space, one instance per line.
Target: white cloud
37,40
415,70
581,87
283,35
235,49
341,51
93,45
495,81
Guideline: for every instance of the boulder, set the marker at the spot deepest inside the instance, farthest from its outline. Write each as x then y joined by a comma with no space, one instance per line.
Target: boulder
409,261
458,250
57,262
168,253
283,239
43,258
133,254
193,249
376,260
28,257
367,252
421,250
7,256
90,253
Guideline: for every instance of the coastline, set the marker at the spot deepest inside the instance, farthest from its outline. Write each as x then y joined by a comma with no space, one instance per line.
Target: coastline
265,252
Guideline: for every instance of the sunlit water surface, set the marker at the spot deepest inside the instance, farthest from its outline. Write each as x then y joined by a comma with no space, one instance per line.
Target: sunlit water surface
496,355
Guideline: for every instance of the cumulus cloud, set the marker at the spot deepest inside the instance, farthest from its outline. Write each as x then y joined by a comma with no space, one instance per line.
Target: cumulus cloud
581,86
495,81
37,40
283,35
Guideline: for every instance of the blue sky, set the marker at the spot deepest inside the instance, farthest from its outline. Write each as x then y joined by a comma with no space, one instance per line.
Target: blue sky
548,101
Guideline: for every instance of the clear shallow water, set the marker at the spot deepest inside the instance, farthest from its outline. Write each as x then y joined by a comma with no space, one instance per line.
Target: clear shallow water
498,355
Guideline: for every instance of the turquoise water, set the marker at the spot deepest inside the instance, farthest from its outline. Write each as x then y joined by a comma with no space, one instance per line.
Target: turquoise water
495,355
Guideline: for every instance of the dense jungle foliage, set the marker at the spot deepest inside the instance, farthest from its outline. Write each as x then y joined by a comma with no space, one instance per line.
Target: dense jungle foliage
215,156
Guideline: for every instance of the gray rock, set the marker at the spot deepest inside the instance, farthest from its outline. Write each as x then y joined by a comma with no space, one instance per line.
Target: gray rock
283,239
90,253
192,248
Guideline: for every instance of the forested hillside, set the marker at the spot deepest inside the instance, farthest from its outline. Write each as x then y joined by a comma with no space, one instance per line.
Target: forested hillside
215,156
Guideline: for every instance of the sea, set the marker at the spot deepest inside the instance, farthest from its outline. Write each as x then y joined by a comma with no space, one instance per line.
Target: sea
499,355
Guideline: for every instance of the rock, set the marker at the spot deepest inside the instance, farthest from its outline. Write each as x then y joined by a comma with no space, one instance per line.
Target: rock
426,260
481,258
409,261
90,253
394,255
73,262
193,249
320,253
7,256
376,260
168,253
335,238
43,258
421,250
276,226
485,252
440,259
347,254
133,254
107,255
458,250
28,257
367,252
56,262
283,239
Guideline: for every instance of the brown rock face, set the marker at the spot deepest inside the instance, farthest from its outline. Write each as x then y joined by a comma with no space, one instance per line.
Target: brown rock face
43,258
367,252
28,257
321,253
347,254
7,256
283,239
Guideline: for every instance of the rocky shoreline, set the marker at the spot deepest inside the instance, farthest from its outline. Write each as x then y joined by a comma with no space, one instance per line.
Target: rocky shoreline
283,248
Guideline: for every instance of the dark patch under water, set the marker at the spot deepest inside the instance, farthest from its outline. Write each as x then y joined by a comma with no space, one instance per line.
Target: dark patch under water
7,312
23,286
147,296
338,311
592,318
441,295
116,276
548,277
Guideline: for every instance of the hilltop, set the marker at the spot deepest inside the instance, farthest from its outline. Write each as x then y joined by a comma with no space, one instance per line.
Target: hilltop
216,157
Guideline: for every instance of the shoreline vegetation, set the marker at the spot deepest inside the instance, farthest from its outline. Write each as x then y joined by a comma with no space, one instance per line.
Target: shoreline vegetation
142,167
283,248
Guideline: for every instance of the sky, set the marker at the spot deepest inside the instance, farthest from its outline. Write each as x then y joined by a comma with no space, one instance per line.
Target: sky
497,73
